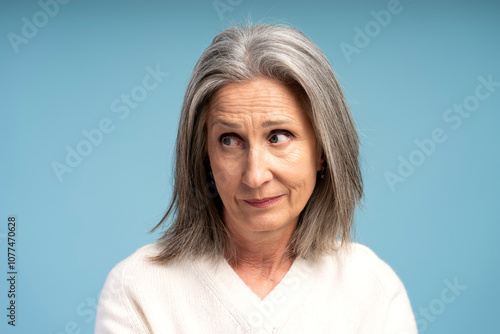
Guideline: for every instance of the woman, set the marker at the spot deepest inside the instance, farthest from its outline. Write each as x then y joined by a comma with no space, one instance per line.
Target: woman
266,183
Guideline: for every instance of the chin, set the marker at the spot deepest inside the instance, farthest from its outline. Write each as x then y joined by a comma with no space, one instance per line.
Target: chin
267,223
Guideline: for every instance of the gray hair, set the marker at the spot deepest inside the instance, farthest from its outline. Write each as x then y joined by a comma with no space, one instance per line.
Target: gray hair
282,53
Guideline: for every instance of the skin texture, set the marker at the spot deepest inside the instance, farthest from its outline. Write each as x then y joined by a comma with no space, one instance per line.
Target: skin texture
261,144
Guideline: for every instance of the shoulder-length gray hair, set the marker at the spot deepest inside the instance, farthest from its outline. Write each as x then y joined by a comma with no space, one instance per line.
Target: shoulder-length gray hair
243,53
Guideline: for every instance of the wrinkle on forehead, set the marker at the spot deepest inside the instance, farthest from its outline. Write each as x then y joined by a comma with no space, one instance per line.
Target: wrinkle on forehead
262,98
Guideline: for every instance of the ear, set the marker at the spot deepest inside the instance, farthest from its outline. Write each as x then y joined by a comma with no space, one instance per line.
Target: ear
321,160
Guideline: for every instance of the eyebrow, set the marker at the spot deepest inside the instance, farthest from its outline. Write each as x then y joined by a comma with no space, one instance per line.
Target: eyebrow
266,124
226,123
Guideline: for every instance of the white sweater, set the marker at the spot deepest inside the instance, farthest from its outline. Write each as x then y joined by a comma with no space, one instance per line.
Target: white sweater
348,292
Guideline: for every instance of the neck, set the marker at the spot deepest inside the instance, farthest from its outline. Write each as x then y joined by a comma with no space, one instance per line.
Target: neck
259,257
265,253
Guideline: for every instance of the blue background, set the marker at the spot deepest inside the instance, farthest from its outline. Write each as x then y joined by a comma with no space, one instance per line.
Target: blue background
439,225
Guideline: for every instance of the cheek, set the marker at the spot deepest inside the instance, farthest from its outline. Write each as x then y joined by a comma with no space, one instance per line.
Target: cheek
298,171
225,174
300,161
217,164
301,177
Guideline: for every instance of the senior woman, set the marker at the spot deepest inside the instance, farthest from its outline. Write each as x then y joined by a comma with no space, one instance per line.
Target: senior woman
266,183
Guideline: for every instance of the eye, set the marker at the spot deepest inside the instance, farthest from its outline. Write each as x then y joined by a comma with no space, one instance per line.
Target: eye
228,140
279,137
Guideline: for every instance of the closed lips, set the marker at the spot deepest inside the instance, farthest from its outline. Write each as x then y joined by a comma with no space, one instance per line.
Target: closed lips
263,201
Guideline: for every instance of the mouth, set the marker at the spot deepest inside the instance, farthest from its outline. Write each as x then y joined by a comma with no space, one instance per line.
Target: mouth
263,202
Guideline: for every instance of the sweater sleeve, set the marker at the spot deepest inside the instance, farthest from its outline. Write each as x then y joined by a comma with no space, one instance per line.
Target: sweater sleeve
400,318
117,313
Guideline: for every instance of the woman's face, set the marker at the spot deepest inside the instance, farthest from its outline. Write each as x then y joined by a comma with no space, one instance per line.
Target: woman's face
263,155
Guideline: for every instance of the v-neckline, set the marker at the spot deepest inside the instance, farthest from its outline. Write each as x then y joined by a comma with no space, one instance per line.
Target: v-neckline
270,313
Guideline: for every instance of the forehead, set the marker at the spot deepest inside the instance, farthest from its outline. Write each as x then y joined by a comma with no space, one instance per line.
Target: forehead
262,97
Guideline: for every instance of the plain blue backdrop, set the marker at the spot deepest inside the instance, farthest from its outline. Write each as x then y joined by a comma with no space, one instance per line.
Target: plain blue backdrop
417,84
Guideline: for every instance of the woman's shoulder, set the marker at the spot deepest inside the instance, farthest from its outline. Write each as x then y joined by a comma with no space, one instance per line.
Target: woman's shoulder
140,259
139,270
133,286
140,255
356,254
355,262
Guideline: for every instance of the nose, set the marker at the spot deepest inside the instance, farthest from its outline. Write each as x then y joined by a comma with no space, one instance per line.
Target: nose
256,171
